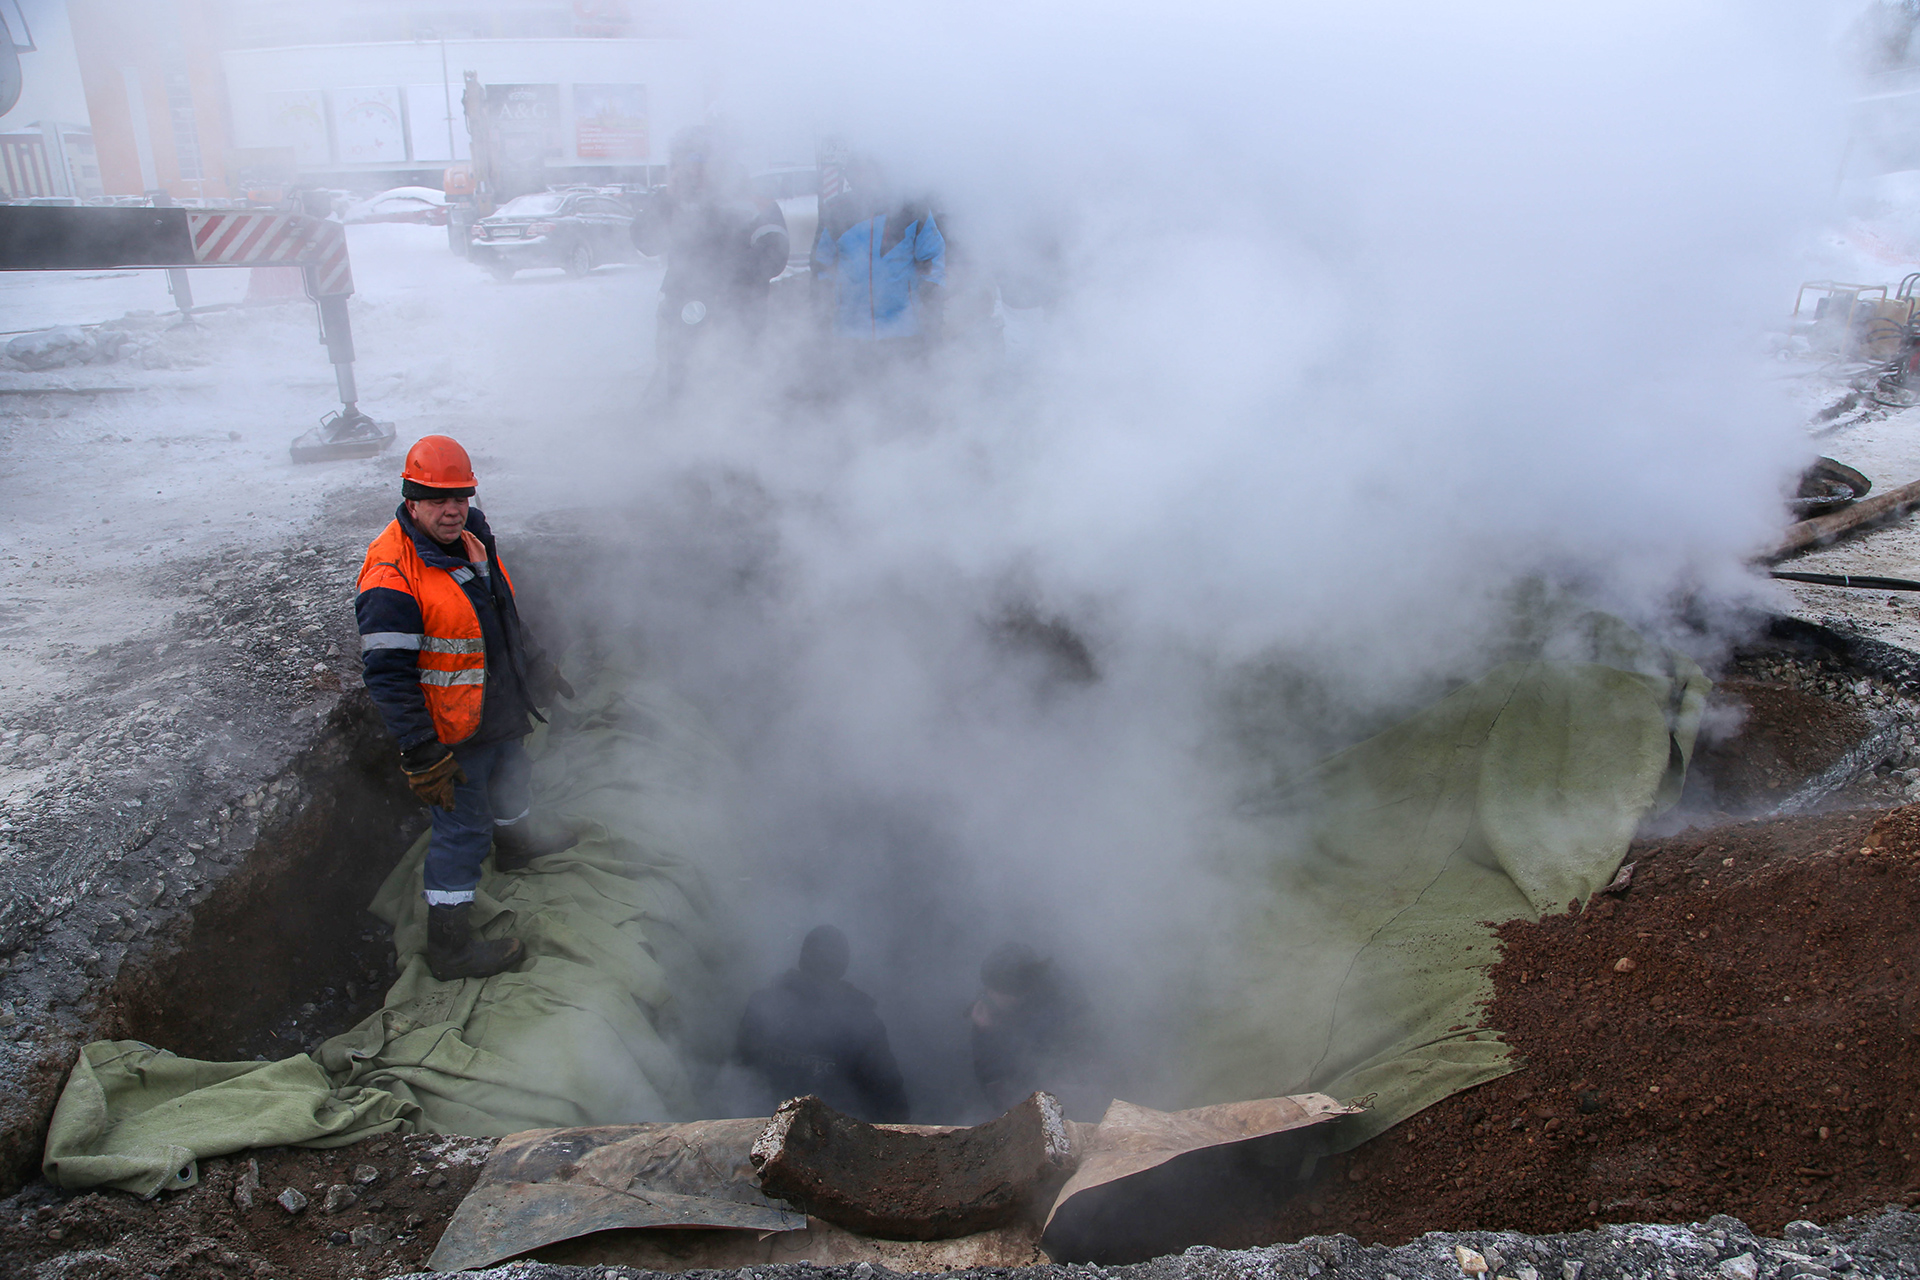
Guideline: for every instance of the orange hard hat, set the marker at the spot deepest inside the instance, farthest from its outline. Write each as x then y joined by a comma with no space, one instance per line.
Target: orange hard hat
438,462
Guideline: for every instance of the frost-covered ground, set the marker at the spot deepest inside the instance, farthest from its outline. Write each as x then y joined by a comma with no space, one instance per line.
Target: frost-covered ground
140,467
1879,245
176,596
32,300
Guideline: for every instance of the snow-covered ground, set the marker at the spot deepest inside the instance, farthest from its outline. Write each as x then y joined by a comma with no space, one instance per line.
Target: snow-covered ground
1887,451
32,300
141,466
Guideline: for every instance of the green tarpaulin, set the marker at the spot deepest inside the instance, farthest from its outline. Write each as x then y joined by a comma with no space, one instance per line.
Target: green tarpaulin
1359,966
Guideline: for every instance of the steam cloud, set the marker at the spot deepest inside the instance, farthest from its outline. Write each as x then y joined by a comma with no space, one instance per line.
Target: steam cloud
1365,313
1368,314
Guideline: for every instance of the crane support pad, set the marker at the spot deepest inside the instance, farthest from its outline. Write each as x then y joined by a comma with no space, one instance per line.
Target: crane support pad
40,238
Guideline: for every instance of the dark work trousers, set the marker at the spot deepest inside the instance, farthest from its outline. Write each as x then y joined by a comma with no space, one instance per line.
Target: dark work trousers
698,342
495,794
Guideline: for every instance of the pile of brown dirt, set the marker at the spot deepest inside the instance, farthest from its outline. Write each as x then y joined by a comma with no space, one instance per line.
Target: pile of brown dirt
1733,1034
406,1190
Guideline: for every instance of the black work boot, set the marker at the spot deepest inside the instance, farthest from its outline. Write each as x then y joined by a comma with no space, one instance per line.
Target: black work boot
454,953
516,845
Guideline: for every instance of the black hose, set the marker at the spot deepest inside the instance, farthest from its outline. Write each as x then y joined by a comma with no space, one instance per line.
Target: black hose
1848,580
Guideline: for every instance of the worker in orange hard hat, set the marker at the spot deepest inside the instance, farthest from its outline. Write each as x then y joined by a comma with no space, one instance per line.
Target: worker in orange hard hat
459,683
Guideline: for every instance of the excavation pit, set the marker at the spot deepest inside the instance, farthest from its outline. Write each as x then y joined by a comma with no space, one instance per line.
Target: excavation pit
278,957
283,953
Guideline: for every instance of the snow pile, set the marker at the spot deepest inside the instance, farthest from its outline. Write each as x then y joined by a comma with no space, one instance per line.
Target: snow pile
140,338
68,345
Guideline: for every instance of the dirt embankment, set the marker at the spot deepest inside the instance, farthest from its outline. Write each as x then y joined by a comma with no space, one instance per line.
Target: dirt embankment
1735,1034
375,1208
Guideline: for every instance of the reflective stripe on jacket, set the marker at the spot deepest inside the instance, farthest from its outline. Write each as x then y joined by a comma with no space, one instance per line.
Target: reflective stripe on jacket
450,649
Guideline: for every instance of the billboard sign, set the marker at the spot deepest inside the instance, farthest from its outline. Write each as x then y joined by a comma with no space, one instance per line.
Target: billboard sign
299,120
610,121
526,122
366,126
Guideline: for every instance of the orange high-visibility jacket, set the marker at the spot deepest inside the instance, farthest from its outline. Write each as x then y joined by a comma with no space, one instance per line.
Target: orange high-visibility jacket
452,650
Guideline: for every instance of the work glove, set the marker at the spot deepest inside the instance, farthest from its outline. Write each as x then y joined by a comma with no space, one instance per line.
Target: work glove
544,681
432,772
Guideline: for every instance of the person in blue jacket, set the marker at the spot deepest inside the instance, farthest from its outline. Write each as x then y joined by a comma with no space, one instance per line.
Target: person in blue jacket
880,267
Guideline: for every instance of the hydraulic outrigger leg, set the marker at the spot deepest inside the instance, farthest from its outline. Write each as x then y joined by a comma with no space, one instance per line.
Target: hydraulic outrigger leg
346,432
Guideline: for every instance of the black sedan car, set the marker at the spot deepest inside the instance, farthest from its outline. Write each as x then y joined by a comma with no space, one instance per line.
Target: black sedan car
577,230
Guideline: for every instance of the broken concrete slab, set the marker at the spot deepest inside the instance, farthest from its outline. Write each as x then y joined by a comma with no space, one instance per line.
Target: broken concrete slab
1132,1139
915,1182
1152,1182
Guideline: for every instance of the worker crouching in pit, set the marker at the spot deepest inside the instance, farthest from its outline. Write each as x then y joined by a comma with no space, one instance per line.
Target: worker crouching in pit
1032,1029
813,1032
458,682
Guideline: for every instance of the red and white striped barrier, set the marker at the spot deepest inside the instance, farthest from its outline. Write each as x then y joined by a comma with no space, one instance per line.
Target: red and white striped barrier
223,239
56,238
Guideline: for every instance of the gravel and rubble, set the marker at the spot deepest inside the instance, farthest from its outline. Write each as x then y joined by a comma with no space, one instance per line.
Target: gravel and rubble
1886,1244
1876,699
378,1210
1883,1246
264,638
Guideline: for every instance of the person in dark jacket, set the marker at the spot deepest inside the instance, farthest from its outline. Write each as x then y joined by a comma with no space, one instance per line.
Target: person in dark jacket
1030,1030
457,681
723,248
812,1032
